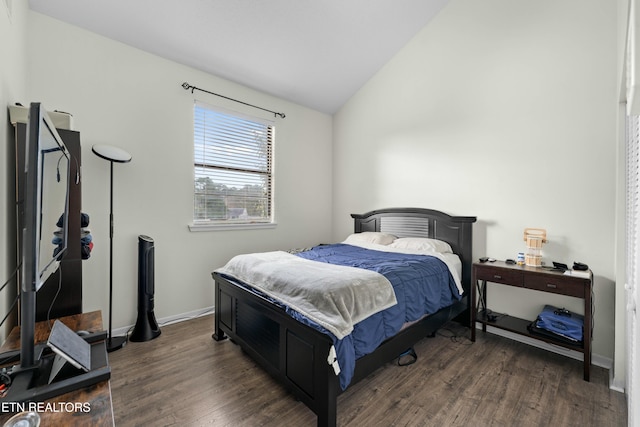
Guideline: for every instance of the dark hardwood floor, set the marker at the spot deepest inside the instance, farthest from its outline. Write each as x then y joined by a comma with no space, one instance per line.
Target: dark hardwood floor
184,378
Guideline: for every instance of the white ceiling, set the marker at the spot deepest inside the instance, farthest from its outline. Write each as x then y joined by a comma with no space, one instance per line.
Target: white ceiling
314,53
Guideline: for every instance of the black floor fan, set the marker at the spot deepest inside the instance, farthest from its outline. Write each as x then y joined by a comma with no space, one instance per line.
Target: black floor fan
146,326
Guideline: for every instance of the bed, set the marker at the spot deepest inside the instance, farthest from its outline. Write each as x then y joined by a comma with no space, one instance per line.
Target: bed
302,356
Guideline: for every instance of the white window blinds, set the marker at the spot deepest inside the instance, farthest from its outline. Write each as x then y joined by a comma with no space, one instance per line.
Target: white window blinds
233,167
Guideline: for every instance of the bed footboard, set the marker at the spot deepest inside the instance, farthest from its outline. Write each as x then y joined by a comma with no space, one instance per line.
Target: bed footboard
293,353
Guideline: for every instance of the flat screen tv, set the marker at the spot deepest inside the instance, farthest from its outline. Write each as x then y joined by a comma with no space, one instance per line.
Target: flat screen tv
46,201
46,208
44,242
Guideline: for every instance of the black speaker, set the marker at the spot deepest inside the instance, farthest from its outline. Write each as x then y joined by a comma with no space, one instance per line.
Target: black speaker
146,326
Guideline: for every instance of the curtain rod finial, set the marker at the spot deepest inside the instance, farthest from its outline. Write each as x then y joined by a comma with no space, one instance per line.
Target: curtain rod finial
185,86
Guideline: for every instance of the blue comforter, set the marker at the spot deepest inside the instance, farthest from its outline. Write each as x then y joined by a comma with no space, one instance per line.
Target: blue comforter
422,284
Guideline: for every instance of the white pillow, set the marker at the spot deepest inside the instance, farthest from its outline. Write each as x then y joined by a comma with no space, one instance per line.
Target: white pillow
370,237
422,244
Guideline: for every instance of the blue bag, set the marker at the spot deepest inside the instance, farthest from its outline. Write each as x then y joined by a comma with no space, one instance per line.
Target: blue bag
561,323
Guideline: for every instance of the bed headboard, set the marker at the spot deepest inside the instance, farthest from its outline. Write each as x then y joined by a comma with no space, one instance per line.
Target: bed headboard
418,222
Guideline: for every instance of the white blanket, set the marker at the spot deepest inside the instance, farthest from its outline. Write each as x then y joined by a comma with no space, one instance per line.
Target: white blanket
336,297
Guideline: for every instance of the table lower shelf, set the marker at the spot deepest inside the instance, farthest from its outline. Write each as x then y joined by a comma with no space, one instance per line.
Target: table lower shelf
521,327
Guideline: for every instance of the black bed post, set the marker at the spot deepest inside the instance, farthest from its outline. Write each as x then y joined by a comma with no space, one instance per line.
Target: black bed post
467,266
330,417
218,334
327,393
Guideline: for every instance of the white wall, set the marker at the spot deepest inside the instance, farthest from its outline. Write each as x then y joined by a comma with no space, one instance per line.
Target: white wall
506,110
122,96
13,86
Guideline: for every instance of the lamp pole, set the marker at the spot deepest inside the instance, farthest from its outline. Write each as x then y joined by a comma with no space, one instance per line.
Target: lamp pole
112,154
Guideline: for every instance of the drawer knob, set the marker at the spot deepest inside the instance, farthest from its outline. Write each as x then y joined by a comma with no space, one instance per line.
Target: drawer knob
496,276
551,285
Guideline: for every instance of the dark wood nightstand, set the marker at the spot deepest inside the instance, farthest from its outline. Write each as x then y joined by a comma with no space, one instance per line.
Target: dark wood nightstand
536,278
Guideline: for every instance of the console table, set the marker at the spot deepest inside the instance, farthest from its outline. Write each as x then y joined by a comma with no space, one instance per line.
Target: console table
97,396
539,279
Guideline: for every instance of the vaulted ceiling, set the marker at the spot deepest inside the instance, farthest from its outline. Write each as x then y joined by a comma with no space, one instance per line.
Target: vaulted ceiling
314,53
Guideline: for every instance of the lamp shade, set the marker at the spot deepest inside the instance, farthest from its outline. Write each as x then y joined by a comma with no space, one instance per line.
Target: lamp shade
111,153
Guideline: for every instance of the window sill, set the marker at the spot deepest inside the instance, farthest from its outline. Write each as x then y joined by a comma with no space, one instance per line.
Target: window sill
227,227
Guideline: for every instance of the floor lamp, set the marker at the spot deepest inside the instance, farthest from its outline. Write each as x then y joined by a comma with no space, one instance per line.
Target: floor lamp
118,155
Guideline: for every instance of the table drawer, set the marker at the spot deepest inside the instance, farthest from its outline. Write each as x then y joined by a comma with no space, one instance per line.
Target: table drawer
500,275
556,285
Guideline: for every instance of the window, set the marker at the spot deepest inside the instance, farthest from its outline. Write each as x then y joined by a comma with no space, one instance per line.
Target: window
233,182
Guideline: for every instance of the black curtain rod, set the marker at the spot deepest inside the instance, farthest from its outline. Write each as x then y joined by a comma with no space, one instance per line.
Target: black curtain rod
187,86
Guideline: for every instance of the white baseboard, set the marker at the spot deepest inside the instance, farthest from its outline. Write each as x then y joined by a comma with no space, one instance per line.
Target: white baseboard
616,385
170,319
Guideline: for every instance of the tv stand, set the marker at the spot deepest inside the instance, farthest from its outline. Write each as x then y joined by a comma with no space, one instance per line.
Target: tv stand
87,389
32,384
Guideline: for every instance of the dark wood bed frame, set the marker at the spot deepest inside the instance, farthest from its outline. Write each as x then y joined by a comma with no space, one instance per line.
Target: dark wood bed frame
296,354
